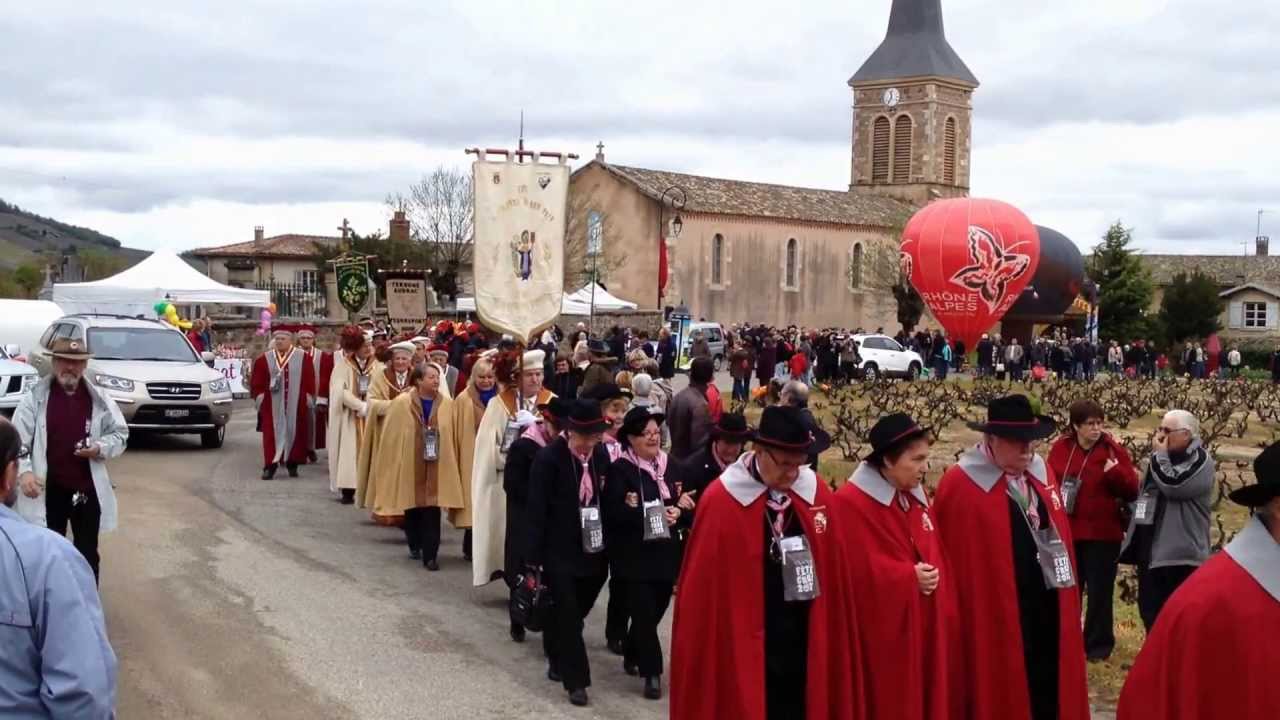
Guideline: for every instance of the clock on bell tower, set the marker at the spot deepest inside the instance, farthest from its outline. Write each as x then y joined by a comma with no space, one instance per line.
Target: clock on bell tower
912,111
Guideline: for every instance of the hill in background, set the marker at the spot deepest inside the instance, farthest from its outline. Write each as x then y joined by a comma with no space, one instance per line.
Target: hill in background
29,242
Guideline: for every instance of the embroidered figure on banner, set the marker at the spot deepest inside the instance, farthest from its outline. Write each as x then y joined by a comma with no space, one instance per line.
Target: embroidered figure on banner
522,253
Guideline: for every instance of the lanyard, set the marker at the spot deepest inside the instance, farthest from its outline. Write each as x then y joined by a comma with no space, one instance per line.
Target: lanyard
1071,456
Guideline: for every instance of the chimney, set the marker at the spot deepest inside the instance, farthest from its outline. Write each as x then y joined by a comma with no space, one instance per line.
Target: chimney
399,231
1261,245
257,234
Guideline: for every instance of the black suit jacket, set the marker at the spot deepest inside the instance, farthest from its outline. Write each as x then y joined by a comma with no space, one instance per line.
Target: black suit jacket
555,524
630,557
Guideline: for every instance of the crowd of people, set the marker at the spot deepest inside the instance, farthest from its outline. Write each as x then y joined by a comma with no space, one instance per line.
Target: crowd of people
573,464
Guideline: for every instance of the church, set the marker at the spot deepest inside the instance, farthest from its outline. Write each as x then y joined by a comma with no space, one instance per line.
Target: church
776,254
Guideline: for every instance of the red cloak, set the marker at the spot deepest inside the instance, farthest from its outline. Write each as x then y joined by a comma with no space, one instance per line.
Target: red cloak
988,675
904,633
322,362
260,387
1210,653
717,643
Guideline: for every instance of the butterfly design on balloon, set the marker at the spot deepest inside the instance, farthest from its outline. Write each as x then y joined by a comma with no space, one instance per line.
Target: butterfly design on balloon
991,268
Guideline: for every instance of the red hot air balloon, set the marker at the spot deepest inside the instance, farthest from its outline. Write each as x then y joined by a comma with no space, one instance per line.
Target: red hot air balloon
970,259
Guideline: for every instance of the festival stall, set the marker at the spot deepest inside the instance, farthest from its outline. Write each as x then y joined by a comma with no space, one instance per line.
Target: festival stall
161,276
576,303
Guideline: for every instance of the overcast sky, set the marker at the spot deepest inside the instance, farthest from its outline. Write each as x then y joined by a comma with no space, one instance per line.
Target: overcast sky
178,124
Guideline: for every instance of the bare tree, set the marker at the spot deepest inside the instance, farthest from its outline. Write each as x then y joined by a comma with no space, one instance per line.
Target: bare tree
441,212
592,244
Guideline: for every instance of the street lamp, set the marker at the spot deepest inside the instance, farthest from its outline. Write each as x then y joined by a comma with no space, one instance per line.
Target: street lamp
677,197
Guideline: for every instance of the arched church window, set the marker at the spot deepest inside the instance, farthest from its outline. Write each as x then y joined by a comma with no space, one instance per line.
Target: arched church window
949,152
880,150
902,149
717,259
855,267
792,253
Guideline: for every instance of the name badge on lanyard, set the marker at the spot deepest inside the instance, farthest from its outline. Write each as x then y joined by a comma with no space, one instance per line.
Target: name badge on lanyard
509,436
1055,562
799,575
1070,491
592,530
278,381
430,444
362,385
655,521
1144,510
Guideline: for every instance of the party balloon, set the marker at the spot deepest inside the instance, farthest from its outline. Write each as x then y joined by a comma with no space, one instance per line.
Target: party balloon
1057,282
272,308
969,259
159,308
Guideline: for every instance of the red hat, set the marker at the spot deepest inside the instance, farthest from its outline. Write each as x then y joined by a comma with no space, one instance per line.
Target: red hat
445,326
437,347
474,328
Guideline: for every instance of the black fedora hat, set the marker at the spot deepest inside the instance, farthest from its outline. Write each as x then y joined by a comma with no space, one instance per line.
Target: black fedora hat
635,421
732,426
597,347
556,409
1266,470
585,418
891,431
602,392
784,427
1012,417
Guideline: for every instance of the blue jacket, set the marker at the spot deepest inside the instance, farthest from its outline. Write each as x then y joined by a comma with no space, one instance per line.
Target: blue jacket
56,661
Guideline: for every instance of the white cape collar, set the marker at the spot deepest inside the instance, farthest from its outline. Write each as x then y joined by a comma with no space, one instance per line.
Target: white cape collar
869,480
744,488
1255,550
978,466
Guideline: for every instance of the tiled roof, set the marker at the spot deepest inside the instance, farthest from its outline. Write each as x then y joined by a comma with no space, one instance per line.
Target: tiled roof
288,245
1227,270
783,202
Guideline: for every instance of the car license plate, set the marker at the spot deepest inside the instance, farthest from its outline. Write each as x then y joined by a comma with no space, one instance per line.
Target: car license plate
177,413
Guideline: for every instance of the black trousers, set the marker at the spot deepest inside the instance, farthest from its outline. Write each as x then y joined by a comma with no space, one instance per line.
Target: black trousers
422,531
1155,586
1097,561
647,600
562,640
617,616
84,518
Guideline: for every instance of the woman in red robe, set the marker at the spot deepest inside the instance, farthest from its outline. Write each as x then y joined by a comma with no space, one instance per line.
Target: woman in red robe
1210,653
755,638
903,604
1007,539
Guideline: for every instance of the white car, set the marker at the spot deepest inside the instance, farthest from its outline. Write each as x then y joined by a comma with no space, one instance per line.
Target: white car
882,356
16,379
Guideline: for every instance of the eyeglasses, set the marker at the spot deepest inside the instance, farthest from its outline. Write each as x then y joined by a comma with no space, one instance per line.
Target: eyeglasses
793,463
651,434
1169,431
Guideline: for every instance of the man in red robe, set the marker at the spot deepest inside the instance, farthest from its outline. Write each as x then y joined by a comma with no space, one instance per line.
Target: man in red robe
764,618
283,387
1210,653
1007,541
904,595
321,362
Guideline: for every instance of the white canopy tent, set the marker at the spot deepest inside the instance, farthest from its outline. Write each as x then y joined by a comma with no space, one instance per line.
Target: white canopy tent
578,302
163,275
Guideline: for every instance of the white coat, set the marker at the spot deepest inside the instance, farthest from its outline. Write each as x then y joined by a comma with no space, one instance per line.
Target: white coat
346,419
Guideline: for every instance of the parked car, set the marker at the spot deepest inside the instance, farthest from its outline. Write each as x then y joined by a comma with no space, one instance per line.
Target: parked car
16,379
151,370
714,334
882,356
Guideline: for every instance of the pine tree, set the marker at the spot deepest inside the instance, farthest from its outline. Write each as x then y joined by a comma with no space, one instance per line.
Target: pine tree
1190,307
1124,286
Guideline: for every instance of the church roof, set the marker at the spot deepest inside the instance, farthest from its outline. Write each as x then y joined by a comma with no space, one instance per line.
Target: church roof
914,46
1226,270
781,202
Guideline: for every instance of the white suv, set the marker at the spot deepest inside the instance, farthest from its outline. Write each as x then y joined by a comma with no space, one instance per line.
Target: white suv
882,356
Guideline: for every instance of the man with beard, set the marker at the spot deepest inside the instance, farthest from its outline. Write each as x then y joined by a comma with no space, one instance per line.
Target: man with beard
522,391
72,429
321,362
1007,540
283,386
57,662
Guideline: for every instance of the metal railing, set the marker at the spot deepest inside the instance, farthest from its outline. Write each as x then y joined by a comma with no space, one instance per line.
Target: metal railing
297,300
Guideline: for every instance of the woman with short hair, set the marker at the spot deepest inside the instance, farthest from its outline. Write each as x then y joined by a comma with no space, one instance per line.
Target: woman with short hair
902,597
1097,480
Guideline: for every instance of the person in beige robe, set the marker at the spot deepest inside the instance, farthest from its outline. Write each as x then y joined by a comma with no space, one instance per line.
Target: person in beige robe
349,385
488,499
468,408
417,472
388,384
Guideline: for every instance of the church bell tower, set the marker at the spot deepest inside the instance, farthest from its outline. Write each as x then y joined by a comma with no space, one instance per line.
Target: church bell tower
912,111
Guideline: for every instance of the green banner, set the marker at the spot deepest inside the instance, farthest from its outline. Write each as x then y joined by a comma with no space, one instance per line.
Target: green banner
353,284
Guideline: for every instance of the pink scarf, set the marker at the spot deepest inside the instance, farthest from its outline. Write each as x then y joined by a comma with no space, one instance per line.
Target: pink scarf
536,433
657,468
613,446
586,488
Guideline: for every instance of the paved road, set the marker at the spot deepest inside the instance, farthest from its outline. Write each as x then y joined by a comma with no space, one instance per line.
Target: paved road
230,597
